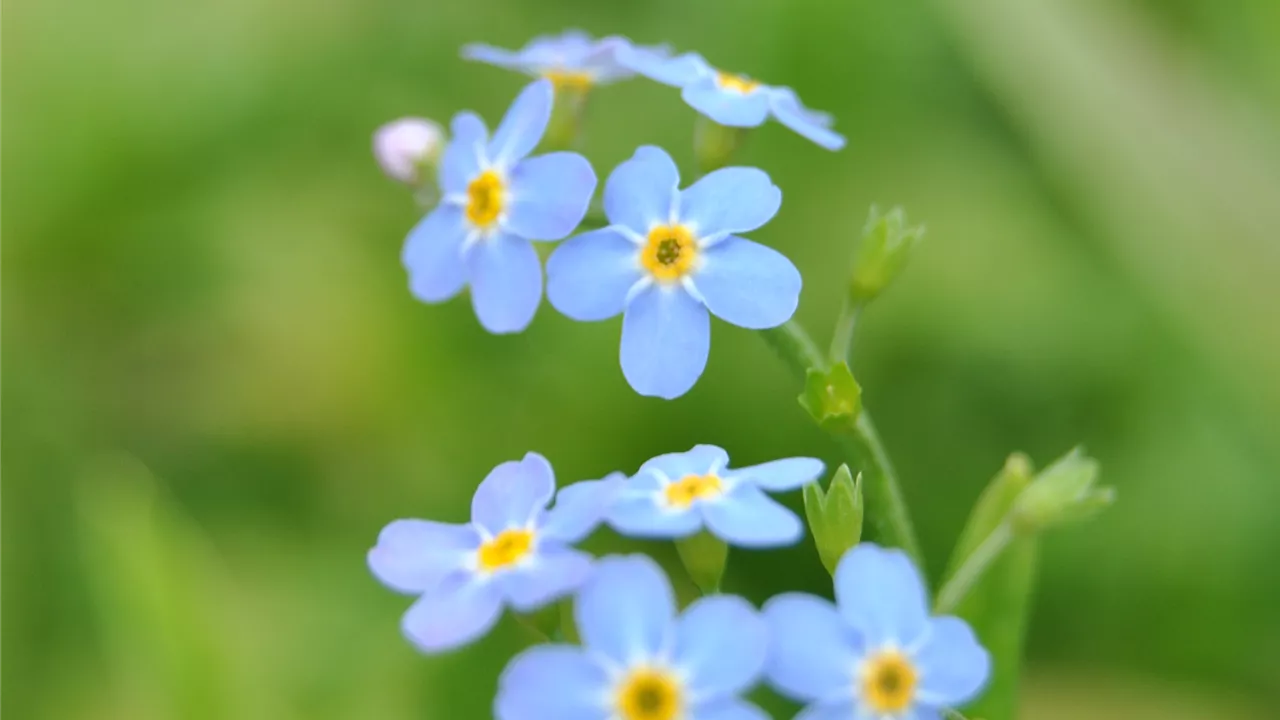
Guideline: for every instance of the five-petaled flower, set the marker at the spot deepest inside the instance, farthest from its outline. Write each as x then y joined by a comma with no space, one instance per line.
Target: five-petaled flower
639,661
514,552
677,494
495,201
668,258
732,99
571,60
877,653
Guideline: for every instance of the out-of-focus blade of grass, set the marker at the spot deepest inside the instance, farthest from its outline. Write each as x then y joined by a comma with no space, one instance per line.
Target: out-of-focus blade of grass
156,587
1178,172
999,604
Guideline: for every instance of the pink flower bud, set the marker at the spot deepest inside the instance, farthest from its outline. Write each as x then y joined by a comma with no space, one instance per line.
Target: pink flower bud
406,147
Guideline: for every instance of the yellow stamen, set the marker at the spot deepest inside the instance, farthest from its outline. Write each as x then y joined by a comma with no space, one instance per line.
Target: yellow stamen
569,79
485,197
889,682
684,491
670,252
505,549
649,695
737,83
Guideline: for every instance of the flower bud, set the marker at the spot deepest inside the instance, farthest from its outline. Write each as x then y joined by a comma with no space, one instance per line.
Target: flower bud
832,396
886,244
714,144
835,519
408,149
1062,493
704,556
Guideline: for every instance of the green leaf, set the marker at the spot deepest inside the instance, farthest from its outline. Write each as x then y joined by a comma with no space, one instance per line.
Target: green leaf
999,604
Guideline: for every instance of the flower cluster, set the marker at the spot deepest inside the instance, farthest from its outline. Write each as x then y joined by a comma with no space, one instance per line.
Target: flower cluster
666,258
876,653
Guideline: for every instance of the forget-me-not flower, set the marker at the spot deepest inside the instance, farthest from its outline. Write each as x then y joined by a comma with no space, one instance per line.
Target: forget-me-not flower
877,653
668,260
677,494
571,60
495,200
639,661
514,552
732,99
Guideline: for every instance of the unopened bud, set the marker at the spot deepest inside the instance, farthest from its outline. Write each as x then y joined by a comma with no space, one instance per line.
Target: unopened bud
704,556
1062,493
886,245
835,518
408,149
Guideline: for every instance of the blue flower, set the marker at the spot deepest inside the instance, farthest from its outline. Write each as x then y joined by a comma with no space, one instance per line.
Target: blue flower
876,653
570,60
678,494
495,201
732,99
669,257
639,661
514,552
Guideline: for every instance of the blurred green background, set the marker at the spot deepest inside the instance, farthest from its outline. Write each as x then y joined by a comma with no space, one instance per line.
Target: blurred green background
217,388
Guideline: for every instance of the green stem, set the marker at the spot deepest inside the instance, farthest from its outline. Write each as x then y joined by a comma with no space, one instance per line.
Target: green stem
972,569
842,341
885,506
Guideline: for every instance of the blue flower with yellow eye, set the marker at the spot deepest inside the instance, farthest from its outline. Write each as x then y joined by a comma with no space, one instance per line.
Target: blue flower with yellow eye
668,261
495,200
732,99
514,552
571,60
639,660
678,494
876,653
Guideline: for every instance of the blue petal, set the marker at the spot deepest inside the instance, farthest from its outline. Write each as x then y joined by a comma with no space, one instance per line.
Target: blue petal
588,276
843,709
666,337
922,713
552,681
625,610
748,518
700,460
506,282
523,125
727,107
880,593
721,645
677,71
730,200
642,517
433,255
748,284
812,652
552,573
459,610
781,475
549,195
460,162
807,123
513,493
953,666
482,52
730,708
640,192
412,556
579,508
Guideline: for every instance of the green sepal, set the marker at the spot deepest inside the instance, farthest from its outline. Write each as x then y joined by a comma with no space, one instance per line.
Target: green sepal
887,242
1062,493
704,556
835,518
832,396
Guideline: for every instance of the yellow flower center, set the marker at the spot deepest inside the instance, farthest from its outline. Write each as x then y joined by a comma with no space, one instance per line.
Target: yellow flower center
889,682
649,695
684,491
569,79
505,549
737,83
669,253
485,196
